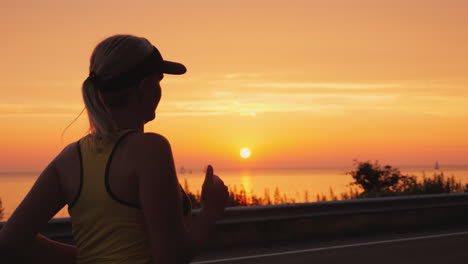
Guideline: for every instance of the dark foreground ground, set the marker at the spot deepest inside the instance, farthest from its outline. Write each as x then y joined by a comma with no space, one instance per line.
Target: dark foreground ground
442,246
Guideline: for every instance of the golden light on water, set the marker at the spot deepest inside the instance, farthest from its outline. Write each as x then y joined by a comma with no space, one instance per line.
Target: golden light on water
245,153
246,185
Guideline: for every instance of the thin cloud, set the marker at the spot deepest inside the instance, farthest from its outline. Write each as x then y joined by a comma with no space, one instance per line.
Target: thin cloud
248,95
52,109
271,83
330,86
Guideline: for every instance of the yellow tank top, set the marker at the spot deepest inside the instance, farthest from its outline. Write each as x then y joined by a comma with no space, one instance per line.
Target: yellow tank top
105,229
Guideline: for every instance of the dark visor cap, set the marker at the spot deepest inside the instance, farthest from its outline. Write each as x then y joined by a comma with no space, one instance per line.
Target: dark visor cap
155,63
168,67
152,64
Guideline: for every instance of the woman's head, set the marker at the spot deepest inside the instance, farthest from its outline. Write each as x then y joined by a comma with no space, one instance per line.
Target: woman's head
118,66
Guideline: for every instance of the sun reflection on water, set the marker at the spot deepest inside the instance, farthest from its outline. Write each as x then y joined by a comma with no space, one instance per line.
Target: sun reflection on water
246,182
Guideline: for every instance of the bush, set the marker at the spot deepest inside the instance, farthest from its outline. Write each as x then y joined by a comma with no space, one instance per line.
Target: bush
377,181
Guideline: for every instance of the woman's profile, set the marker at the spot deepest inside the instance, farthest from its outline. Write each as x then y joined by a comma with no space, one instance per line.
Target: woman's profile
125,202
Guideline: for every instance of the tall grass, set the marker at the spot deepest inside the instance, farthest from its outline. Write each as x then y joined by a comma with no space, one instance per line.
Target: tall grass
242,197
1,210
438,184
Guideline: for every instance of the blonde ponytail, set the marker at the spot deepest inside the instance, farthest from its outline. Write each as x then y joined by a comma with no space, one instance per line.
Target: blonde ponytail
111,57
101,123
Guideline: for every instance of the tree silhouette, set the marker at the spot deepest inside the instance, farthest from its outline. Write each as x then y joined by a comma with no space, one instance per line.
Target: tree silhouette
377,180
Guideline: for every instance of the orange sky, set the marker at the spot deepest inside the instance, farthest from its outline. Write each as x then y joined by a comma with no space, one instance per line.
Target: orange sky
301,83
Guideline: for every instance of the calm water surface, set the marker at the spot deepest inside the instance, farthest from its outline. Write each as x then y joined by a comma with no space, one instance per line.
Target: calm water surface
294,183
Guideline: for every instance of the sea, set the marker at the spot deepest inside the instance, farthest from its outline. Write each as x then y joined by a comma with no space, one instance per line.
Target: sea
298,185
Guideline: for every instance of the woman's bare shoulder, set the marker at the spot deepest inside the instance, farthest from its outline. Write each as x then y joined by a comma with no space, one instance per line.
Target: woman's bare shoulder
70,151
150,155
150,142
147,149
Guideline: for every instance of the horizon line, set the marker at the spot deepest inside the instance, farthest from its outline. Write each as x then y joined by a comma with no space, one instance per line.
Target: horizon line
405,166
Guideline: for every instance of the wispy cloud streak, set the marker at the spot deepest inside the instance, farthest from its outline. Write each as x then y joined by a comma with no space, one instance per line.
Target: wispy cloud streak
249,94
52,109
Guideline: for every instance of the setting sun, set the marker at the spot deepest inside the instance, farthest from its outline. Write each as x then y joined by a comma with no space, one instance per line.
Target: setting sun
245,153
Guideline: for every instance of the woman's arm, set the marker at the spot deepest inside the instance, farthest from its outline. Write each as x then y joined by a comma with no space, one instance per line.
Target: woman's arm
19,237
214,199
171,240
49,251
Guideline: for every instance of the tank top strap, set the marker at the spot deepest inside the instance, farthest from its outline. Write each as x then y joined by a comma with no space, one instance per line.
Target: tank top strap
105,230
95,159
95,156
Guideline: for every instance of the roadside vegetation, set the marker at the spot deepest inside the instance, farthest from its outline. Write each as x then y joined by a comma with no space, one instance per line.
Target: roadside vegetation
369,180
240,197
1,210
375,180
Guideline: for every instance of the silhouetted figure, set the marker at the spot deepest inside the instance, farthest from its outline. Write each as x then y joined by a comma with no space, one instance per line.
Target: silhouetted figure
120,184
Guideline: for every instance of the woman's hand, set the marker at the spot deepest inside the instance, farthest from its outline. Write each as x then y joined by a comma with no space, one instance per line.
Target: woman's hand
215,195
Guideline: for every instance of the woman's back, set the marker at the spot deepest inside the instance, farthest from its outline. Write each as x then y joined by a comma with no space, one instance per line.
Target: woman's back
107,221
108,226
122,182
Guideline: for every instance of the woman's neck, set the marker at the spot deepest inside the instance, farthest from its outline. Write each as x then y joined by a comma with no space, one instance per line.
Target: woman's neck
127,120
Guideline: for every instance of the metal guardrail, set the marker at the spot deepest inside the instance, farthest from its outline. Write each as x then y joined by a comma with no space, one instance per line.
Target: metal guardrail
264,224
334,219
343,207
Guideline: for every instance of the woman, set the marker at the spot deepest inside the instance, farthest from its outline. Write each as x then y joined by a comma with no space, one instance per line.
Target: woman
125,202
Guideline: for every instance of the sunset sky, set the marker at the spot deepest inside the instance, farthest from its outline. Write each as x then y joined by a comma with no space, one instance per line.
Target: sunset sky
300,83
